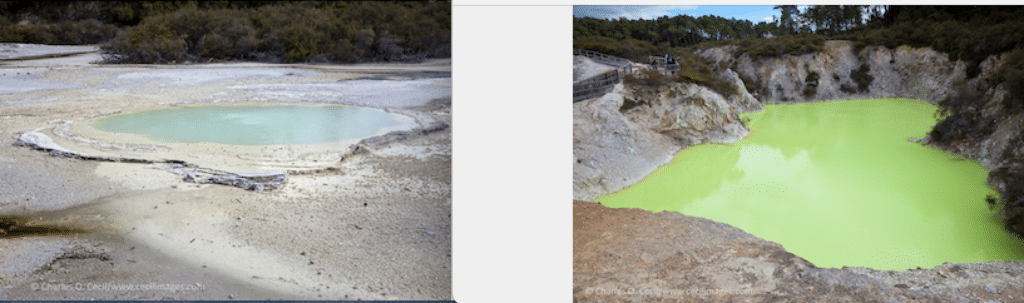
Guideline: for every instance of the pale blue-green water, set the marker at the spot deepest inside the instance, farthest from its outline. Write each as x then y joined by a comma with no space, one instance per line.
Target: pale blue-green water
254,125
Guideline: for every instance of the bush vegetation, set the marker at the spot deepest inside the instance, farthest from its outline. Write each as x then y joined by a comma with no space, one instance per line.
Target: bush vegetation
62,33
628,104
960,114
631,49
270,31
702,71
357,32
862,77
54,23
86,22
812,79
751,84
809,91
1012,76
1010,204
794,45
647,78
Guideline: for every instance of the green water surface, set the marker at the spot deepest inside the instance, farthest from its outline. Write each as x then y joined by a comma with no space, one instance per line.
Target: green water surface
837,183
254,125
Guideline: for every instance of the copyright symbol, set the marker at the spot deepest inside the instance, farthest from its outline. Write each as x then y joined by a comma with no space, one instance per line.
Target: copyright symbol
35,286
588,291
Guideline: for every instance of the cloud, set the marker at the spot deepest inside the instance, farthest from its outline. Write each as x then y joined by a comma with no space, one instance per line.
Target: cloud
632,12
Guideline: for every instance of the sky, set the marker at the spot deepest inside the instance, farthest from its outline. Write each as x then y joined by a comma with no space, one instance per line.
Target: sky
754,13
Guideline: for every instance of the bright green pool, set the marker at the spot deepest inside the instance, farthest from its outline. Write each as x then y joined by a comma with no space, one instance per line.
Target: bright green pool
255,125
837,183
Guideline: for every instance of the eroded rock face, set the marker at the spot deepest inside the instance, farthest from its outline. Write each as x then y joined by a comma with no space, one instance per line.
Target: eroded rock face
743,100
906,72
615,147
610,151
688,113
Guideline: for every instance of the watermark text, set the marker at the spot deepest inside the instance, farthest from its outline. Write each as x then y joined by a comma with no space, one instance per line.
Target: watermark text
114,286
656,291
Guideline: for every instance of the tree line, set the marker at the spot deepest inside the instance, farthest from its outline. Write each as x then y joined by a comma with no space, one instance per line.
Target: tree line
684,30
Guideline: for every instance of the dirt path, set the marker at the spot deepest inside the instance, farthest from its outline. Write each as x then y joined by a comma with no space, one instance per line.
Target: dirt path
377,227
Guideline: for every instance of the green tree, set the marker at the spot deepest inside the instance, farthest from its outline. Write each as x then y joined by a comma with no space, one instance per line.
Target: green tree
787,21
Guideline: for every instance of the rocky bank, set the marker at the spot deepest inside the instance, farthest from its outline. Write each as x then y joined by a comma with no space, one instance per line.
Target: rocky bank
615,146
633,255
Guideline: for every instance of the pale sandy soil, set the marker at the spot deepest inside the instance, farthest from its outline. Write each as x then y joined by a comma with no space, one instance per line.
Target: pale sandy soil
377,227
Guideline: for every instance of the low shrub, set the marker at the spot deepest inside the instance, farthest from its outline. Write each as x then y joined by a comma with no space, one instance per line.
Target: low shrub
62,33
1013,101
862,77
701,71
961,117
750,84
965,98
1012,76
956,127
812,79
722,86
628,104
631,49
648,78
691,74
849,89
794,45
809,91
1010,204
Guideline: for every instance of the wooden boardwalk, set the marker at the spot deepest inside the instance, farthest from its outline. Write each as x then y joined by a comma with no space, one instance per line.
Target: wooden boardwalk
603,83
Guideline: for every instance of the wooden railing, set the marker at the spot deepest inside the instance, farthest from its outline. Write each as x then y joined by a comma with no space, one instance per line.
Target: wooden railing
602,83
604,59
596,86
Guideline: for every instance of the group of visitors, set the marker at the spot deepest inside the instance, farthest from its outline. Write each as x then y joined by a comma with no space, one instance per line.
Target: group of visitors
669,60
